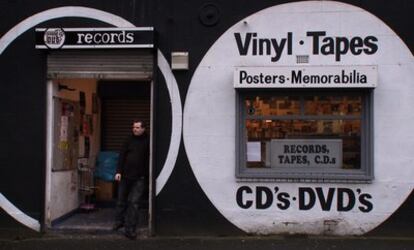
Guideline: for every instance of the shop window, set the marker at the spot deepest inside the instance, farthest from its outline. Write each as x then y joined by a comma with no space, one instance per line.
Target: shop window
296,135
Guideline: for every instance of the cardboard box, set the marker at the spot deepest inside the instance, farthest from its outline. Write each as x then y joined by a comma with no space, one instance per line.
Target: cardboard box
104,190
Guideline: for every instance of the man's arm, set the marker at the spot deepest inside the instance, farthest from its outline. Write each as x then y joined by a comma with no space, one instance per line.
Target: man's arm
121,161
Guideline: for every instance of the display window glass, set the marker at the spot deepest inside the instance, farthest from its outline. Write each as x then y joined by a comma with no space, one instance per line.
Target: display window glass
320,135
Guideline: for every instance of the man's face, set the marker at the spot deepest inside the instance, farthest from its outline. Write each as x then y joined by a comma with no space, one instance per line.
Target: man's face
137,129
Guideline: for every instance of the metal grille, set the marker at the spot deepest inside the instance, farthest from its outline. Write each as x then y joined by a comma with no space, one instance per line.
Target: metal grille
302,59
99,64
117,117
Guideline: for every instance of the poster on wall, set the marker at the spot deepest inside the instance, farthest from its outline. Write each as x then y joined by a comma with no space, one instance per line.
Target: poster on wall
66,135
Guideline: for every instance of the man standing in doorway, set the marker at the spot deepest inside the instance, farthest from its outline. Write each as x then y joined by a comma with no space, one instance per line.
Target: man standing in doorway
132,175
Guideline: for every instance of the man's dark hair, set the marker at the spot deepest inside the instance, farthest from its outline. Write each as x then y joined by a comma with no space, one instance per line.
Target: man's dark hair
140,121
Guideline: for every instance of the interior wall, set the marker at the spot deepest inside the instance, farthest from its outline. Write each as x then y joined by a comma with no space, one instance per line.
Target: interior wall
65,195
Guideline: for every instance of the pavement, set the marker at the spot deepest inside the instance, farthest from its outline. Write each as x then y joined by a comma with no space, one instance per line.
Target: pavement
117,241
396,233
399,237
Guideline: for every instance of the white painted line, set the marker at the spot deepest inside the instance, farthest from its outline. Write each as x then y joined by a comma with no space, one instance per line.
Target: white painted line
21,217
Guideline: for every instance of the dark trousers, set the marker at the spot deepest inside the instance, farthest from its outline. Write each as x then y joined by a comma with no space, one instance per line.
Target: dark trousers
130,192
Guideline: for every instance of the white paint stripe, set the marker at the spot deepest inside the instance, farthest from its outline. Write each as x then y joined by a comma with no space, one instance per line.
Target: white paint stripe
137,46
18,215
107,46
110,29
103,29
176,122
74,11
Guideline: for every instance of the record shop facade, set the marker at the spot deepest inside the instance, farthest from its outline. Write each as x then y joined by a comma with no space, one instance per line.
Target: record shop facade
286,117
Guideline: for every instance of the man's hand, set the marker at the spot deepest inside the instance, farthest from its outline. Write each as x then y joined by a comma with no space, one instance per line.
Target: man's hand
117,177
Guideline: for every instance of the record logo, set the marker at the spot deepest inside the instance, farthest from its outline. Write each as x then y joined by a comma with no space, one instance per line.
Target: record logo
54,38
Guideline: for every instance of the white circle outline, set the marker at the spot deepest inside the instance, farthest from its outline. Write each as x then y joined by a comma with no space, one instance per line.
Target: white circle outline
174,94
212,188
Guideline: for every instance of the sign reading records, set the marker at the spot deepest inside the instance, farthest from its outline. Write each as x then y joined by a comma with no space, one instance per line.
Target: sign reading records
306,152
306,77
94,38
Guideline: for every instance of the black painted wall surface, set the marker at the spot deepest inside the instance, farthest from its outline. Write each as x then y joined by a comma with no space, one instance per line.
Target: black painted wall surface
181,208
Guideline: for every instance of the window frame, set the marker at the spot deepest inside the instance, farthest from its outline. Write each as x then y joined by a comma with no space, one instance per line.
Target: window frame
299,174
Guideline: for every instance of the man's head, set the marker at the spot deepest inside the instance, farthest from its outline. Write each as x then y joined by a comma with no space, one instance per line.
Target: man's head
138,127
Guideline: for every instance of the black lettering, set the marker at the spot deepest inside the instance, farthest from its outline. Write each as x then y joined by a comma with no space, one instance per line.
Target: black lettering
282,79
254,46
243,75
278,48
356,45
283,199
342,207
315,41
289,43
303,193
342,47
296,76
311,149
367,205
261,193
326,203
243,46
369,41
305,159
328,48
265,43
239,197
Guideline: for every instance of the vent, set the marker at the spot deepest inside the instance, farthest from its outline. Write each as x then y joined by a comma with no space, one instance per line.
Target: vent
302,59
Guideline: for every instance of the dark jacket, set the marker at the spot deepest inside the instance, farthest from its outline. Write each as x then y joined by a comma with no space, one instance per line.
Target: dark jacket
134,158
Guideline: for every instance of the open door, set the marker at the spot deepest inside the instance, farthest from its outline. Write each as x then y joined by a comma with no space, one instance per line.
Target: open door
90,114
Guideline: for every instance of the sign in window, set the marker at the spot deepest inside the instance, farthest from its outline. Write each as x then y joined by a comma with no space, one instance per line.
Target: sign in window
304,135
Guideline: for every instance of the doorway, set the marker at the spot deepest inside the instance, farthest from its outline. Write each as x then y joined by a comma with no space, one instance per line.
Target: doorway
90,109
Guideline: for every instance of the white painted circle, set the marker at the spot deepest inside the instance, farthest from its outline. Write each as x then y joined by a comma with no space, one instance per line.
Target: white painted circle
209,129
90,13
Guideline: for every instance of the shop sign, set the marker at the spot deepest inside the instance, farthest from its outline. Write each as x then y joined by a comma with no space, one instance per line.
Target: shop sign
255,44
304,198
306,153
306,77
94,38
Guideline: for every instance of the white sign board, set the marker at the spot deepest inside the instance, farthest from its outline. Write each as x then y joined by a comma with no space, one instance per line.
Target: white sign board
306,153
306,77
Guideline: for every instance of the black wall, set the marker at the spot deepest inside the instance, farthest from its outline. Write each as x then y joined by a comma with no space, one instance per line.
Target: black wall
182,207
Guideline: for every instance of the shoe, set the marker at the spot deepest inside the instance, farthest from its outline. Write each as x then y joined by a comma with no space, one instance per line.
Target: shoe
130,235
117,226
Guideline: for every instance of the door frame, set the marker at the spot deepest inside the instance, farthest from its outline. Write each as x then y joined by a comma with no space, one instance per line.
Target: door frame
51,90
